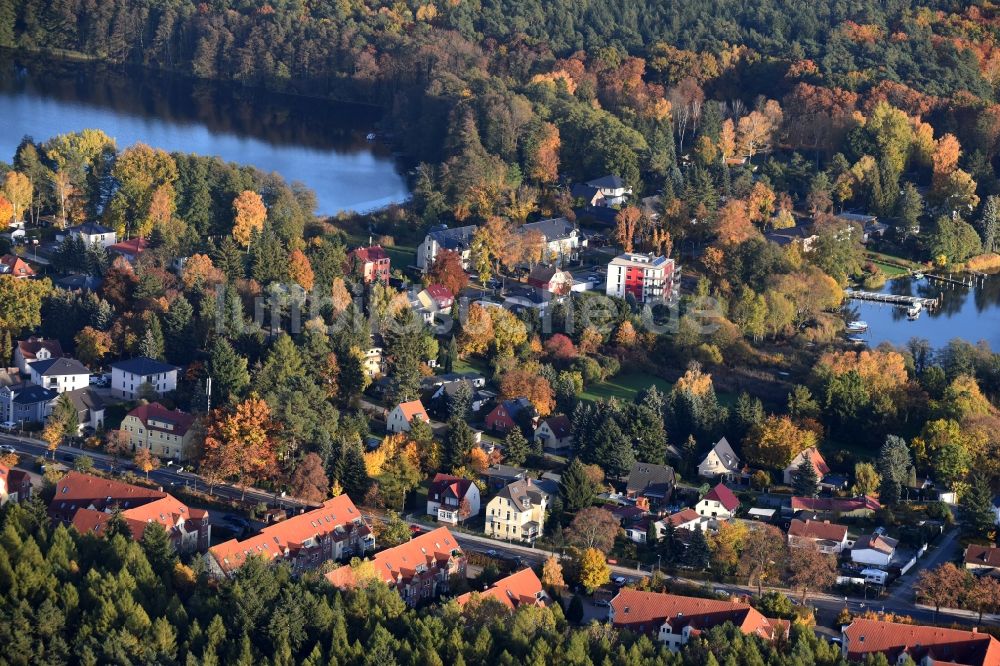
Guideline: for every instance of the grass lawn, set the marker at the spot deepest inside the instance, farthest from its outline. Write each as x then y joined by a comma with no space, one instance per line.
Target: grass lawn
470,365
625,386
402,255
889,269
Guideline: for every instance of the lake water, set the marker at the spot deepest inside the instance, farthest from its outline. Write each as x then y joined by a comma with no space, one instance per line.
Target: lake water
970,313
322,144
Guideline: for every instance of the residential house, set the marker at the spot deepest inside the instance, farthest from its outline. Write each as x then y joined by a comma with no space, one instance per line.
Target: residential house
434,300
550,279
982,559
26,403
922,644
861,507
721,461
11,264
402,415
60,374
419,569
802,235
88,503
826,536
15,485
718,503
647,277
89,408
127,377
499,476
685,519
517,513
674,620
814,456
439,238
439,394
555,433
654,483
370,264
130,249
518,589
590,195
35,349
167,433
373,361
560,239
334,531
452,499
93,233
613,188
874,549
509,414
638,531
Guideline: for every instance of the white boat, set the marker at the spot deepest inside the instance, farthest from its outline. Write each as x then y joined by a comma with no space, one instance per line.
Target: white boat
370,136
918,276
913,311
857,340
857,326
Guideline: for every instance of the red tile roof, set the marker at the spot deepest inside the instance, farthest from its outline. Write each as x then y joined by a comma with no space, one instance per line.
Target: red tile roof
517,589
413,408
286,538
441,294
876,542
15,266
983,556
647,611
446,484
373,253
684,516
559,425
814,529
723,496
134,246
830,504
29,348
430,550
154,411
822,469
954,646
167,511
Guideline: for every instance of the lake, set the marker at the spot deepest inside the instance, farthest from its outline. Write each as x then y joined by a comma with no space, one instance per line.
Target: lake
322,144
970,313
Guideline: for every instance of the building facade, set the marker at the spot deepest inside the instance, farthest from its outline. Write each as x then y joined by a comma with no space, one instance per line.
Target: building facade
167,433
517,513
127,377
648,278
60,374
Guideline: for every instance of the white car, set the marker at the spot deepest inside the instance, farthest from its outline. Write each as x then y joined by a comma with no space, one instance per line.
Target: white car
7,448
8,426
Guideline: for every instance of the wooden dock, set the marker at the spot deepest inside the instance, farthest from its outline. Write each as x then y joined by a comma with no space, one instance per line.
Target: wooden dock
893,299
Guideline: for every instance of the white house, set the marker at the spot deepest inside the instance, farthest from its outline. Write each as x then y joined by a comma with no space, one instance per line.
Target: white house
826,536
612,188
400,417
91,233
719,503
555,433
452,499
686,519
814,456
874,549
59,374
720,461
35,349
128,376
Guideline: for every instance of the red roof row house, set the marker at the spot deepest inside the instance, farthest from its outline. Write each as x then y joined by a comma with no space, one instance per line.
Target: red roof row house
923,644
518,589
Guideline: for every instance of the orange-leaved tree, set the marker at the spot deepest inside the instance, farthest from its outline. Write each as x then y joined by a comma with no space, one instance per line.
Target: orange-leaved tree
250,213
239,442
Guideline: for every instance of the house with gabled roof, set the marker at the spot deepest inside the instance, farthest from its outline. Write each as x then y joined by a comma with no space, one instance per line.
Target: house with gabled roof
826,536
334,531
614,189
719,503
93,233
88,503
555,433
517,513
402,415
924,645
685,519
811,454
452,499
419,569
980,559
654,483
508,415
35,349
371,264
849,507
720,461
674,619
518,589
15,266
550,279
15,485
874,549
130,249
128,376
165,432
27,403
60,374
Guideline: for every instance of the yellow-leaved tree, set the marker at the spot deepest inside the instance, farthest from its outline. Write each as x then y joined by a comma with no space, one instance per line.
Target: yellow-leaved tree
250,214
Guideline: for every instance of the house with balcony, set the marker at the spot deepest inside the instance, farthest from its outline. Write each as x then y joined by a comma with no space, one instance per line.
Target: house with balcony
88,503
127,377
517,513
452,499
334,531
60,374
370,264
35,349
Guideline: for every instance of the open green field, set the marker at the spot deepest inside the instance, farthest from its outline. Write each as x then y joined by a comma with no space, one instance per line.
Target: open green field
470,365
625,386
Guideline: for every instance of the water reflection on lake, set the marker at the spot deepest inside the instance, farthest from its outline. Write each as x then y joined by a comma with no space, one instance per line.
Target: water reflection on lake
970,313
319,143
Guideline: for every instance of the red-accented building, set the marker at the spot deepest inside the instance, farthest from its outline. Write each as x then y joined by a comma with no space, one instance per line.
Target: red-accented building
15,485
88,503
334,531
11,264
922,644
647,277
371,264
507,415
518,589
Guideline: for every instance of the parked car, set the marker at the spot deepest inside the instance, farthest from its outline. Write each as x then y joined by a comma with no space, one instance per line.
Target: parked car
7,448
8,426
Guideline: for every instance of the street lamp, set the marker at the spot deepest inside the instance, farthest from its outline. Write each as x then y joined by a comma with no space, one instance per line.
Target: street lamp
658,556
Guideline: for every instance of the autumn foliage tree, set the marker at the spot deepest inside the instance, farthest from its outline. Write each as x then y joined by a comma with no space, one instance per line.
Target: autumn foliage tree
92,345
593,527
448,272
524,384
249,216
774,442
239,442
309,481
627,223
300,270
